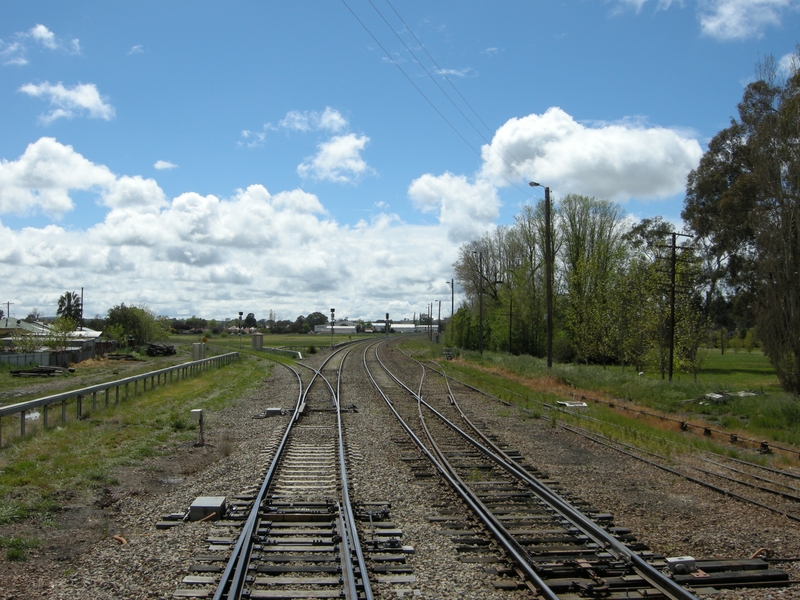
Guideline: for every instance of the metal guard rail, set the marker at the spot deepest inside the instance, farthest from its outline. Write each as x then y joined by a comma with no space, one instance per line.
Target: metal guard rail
187,369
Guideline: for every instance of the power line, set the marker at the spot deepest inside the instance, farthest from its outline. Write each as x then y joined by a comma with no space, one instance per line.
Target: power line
453,85
428,100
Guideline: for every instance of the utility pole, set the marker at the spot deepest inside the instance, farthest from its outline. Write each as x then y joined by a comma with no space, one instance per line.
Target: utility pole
439,320
673,259
480,302
510,319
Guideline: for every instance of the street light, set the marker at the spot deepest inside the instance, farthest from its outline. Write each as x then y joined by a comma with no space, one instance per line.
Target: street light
548,264
240,329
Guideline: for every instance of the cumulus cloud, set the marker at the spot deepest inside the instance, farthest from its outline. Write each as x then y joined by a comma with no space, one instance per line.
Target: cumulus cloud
465,209
164,164
202,254
81,99
40,180
338,160
617,161
44,36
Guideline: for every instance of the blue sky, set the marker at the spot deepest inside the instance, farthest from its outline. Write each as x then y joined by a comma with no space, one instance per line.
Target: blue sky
205,159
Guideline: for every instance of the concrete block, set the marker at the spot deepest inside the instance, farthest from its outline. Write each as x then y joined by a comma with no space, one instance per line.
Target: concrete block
205,505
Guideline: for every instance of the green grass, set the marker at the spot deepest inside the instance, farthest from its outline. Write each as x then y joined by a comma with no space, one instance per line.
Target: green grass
82,455
772,415
17,547
88,372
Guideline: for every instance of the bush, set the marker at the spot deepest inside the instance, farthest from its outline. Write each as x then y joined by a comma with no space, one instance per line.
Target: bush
312,349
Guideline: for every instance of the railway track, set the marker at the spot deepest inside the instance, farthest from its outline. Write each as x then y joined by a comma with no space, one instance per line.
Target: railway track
775,490
555,549
295,535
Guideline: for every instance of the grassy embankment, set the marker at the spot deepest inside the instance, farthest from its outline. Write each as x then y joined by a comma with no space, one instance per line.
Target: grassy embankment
771,415
80,456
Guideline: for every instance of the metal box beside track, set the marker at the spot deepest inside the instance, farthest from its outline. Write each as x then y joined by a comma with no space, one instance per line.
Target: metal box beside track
205,506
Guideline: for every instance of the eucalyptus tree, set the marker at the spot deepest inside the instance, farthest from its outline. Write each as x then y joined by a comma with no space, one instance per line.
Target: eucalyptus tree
745,198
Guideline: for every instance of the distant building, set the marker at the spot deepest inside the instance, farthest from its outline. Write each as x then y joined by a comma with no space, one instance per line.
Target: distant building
343,326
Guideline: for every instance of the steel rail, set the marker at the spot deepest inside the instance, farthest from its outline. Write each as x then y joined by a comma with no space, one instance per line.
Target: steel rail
234,577
509,544
631,452
652,575
348,507
655,577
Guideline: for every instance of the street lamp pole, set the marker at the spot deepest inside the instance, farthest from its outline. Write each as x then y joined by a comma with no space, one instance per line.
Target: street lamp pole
240,329
333,310
548,260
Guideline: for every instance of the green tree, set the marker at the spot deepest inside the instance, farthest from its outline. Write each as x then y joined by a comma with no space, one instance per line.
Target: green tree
745,198
138,323
69,305
250,320
60,332
25,342
592,251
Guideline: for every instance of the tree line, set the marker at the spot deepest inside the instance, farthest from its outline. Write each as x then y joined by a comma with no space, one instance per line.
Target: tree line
733,271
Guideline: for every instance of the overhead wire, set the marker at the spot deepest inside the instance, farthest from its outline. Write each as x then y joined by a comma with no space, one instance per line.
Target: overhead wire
453,85
429,101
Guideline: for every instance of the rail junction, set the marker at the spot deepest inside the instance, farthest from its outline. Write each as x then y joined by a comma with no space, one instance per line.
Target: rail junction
302,532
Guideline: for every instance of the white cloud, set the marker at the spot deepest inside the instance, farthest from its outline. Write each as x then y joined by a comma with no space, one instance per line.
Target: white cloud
465,72
466,209
41,179
788,64
80,99
15,53
328,120
164,164
742,19
728,19
44,36
614,161
491,51
137,49
339,159
207,255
